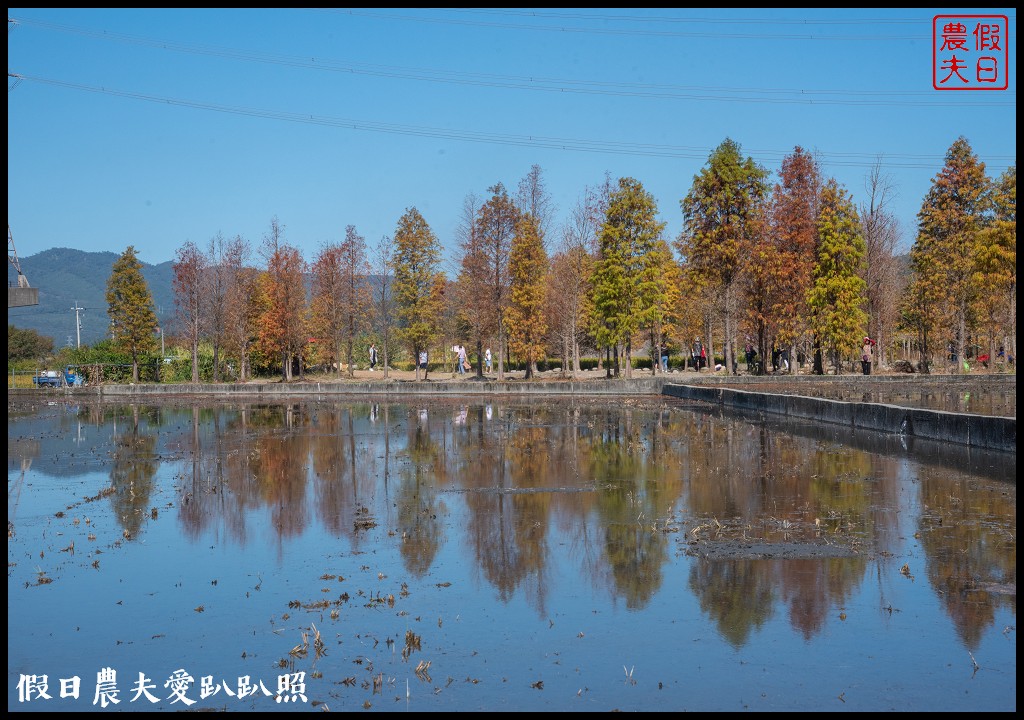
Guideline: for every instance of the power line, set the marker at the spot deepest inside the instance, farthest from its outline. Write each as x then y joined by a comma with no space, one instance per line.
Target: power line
799,96
539,141
31,311
687,19
625,31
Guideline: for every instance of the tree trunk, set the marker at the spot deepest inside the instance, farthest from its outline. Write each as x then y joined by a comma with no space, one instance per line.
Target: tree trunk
501,352
195,360
654,352
961,342
709,346
727,325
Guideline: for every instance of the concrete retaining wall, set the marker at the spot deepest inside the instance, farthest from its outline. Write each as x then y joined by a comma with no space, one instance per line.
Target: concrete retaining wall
982,431
395,390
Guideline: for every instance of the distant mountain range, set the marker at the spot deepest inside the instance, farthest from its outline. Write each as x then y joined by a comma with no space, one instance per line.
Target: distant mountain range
67,278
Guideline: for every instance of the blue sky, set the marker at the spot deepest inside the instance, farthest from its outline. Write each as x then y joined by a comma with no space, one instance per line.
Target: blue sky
155,127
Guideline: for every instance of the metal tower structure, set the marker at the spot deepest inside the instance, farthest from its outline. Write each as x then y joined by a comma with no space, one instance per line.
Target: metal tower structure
22,295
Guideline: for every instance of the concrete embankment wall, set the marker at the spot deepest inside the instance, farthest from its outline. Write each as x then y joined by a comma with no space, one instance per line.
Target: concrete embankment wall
982,431
392,390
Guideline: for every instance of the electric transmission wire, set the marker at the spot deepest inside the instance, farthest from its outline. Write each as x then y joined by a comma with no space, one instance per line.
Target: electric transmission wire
793,96
538,141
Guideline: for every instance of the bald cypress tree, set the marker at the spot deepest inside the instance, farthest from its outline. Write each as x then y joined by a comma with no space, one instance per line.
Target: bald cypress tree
790,246
837,298
995,270
626,282
130,307
528,272
418,284
189,267
942,258
495,228
723,218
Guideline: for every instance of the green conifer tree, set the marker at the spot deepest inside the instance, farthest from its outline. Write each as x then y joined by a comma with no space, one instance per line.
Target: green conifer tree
837,298
723,217
625,284
133,322
418,285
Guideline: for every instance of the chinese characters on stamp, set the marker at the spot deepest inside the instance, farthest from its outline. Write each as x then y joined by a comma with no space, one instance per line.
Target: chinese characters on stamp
970,52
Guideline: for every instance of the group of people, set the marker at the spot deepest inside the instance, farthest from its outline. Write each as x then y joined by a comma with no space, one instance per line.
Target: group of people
699,358
698,355
462,359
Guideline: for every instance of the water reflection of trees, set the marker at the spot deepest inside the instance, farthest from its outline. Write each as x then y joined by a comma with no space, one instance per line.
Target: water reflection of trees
420,512
280,465
602,476
135,463
269,456
218,484
969,534
638,479
738,595
344,462
781,489
504,471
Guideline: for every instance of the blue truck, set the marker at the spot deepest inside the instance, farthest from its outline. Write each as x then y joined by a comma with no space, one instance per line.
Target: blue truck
57,378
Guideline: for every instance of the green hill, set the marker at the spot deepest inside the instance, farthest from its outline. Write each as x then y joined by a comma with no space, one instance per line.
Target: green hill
67,277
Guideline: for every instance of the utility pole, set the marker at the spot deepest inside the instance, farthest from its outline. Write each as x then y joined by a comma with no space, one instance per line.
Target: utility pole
78,323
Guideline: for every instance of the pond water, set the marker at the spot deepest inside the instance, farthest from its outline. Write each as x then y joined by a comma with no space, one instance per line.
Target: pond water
464,555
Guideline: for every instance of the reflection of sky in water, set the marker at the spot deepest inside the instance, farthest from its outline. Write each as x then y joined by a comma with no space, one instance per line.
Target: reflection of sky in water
522,542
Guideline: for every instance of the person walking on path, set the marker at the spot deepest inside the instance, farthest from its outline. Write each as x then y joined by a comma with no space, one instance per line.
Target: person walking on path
373,356
458,350
487,359
463,360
